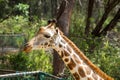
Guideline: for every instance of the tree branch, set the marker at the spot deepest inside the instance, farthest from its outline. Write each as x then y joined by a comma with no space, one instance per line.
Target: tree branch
61,9
108,8
112,24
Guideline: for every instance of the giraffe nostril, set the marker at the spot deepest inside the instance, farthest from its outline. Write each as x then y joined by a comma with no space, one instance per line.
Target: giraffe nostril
27,47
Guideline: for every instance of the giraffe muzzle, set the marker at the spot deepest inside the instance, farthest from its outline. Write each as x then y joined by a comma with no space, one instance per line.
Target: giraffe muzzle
27,48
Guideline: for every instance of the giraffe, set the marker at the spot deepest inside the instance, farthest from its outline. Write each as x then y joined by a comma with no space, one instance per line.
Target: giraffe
79,65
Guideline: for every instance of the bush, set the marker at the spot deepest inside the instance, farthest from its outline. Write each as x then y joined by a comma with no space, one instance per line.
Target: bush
39,60
36,60
18,62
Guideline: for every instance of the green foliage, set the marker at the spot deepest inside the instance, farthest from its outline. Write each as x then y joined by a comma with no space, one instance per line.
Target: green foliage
3,62
77,24
18,61
4,8
39,60
14,25
36,60
107,58
23,8
21,24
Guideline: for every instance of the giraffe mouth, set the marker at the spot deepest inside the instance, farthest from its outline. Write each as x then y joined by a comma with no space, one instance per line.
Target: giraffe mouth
27,48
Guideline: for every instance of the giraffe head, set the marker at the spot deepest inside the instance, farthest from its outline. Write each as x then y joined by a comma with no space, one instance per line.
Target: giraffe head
46,37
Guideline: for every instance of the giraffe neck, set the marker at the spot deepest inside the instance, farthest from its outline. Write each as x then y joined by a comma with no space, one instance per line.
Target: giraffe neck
80,66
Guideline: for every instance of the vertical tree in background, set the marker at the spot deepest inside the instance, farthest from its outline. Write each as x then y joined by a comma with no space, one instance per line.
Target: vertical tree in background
63,22
112,23
54,7
89,14
98,30
109,6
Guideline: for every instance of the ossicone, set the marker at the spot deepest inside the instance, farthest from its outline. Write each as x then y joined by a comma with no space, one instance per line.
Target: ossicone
52,21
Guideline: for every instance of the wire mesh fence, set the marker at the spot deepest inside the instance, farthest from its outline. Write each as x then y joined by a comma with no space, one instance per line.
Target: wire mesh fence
33,75
11,42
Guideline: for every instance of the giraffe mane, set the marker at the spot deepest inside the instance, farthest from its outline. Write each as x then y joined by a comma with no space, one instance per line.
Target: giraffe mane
86,60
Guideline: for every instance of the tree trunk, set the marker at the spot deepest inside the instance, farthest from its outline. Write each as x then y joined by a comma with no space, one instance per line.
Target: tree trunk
89,14
108,9
63,22
53,8
112,24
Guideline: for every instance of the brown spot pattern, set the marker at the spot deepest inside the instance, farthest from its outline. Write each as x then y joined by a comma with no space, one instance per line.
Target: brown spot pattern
66,54
76,59
60,45
72,64
66,60
81,72
49,45
51,41
91,78
46,43
62,54
77,77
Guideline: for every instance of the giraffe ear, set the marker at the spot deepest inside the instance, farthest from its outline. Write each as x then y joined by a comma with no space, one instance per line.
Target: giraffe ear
52,21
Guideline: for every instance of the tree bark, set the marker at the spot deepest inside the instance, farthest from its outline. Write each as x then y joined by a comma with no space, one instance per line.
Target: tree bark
112,24
53,8
109,7
63,22
89,14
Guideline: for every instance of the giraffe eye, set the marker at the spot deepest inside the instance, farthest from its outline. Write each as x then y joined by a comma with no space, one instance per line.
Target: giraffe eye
47,36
